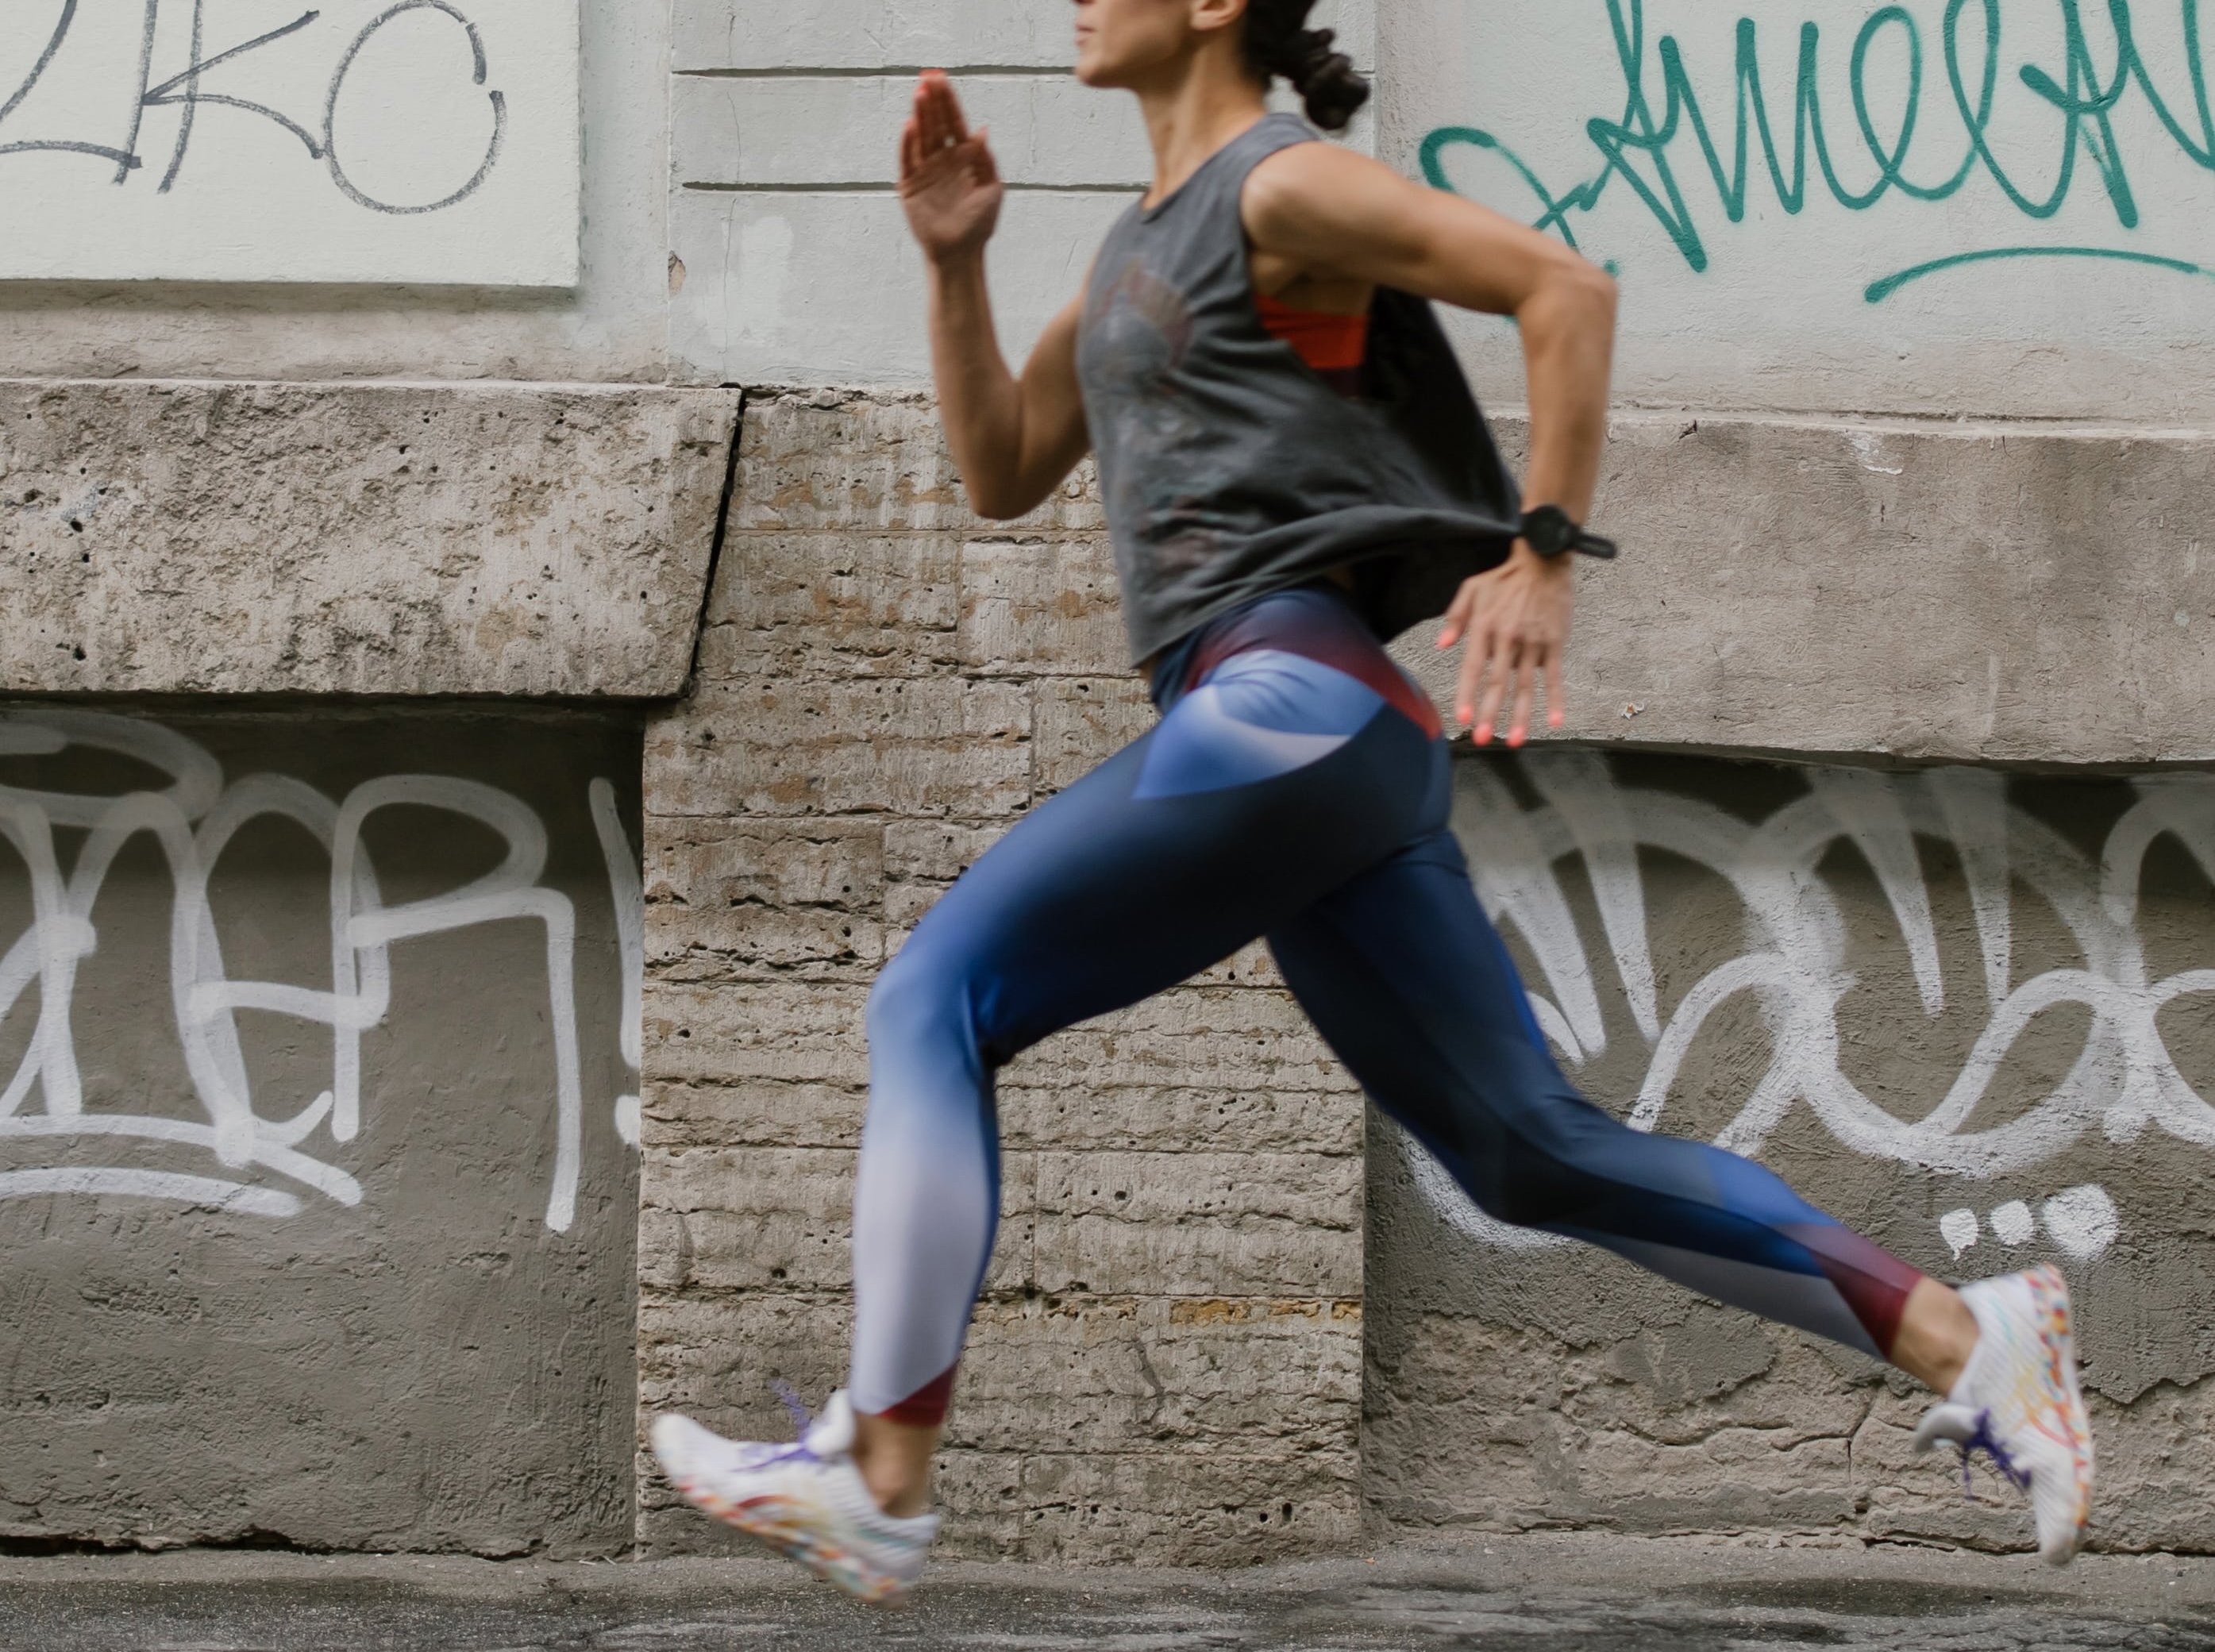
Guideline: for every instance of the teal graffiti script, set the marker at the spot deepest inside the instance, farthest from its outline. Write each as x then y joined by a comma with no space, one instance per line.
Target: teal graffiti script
1645,151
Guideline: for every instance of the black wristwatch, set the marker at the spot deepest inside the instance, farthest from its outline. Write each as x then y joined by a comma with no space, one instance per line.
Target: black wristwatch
1550,531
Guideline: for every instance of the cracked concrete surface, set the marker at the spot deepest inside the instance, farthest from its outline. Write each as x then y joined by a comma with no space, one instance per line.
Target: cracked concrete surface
1535,1594
526,540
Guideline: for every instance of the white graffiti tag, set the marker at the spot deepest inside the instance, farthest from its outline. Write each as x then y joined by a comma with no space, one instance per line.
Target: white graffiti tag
192,820
1794,966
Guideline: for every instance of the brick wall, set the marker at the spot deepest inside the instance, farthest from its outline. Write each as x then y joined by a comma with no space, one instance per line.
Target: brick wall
1166,1365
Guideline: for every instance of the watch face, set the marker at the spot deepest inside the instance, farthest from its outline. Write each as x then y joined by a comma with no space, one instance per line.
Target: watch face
1549,531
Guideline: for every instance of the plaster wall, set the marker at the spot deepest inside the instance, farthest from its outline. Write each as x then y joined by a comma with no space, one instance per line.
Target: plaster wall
315,1177
1840,206
1964,1012
796,264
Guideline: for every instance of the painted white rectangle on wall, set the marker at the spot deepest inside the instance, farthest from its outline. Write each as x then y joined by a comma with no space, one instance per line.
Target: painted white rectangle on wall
1848,205
354,141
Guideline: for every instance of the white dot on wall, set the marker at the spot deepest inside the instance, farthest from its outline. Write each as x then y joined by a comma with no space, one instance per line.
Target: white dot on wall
1959,1229
627,1119
2014,1223
2082,1221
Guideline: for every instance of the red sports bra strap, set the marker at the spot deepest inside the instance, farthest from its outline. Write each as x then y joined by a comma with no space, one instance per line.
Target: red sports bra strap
1326,342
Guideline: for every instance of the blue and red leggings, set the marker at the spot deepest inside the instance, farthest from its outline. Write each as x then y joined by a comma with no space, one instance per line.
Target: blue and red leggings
1296,789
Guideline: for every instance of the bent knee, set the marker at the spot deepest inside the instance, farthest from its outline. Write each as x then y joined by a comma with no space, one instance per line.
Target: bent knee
923,996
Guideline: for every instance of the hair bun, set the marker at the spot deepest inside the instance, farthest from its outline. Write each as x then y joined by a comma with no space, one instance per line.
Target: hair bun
1278,43
1326,81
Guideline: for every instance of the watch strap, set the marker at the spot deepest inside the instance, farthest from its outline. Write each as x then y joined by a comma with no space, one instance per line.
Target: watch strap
1551,531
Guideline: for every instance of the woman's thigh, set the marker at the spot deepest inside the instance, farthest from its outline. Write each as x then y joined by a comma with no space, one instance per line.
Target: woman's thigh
1271,783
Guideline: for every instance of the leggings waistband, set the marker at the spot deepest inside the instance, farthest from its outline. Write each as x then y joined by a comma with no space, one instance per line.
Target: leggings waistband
1317,621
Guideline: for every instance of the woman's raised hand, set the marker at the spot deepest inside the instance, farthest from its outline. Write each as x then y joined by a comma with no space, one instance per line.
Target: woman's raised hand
948,184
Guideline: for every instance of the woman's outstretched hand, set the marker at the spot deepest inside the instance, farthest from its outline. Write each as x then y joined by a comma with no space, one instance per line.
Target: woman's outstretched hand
1517,620
948,184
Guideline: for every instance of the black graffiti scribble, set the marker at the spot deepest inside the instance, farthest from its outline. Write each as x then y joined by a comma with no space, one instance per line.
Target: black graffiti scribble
192,97
338,85
184,92
123,158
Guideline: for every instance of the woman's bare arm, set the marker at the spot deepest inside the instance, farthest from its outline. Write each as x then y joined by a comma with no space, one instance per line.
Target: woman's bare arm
1015,440
1333,215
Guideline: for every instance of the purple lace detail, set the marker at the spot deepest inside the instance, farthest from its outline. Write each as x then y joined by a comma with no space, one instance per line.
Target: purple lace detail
1991,1444
802,1422
802,1419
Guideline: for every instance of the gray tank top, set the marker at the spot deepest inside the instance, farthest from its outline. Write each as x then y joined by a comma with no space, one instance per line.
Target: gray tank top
1231,469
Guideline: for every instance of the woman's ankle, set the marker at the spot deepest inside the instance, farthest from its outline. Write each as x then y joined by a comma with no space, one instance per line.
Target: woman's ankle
894,1461
900,1498
1937,1335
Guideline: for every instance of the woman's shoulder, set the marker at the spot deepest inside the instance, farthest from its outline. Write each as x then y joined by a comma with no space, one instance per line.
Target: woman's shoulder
1301,184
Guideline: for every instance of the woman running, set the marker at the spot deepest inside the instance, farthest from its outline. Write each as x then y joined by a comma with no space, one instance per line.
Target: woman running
1294,471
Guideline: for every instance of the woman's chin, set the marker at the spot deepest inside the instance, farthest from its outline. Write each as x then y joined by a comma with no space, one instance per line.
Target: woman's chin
1096,68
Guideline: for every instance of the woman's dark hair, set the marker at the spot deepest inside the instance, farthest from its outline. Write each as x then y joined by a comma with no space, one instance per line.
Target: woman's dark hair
1280,42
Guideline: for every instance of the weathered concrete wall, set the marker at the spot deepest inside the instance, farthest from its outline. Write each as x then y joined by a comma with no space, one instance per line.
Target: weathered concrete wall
2000,593
886,683
325,539
1169,1361
318,1212
1966,1013
1166,1362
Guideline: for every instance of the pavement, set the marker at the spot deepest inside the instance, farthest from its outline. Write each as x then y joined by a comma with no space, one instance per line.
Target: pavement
1552,1593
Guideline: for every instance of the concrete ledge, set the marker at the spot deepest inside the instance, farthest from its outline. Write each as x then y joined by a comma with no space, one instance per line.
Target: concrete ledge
249,538
2010,595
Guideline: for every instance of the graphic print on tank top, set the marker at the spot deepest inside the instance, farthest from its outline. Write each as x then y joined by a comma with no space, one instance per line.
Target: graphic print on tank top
1139,329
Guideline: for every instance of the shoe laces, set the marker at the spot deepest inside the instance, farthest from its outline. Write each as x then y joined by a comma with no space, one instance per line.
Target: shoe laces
802,1420
1983,1439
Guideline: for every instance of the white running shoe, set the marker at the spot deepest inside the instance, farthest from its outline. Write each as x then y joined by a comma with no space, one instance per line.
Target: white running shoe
2019,1401
805,1500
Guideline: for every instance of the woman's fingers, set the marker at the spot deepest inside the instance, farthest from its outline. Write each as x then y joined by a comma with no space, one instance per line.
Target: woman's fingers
1503,663
943,125
910,149
957,123
1457,619
1471,678
1557,696
987,171
931,111
1526,694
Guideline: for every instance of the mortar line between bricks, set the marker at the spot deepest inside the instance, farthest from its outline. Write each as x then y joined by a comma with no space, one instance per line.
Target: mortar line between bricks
992,536
787,1289
873,71
704,188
